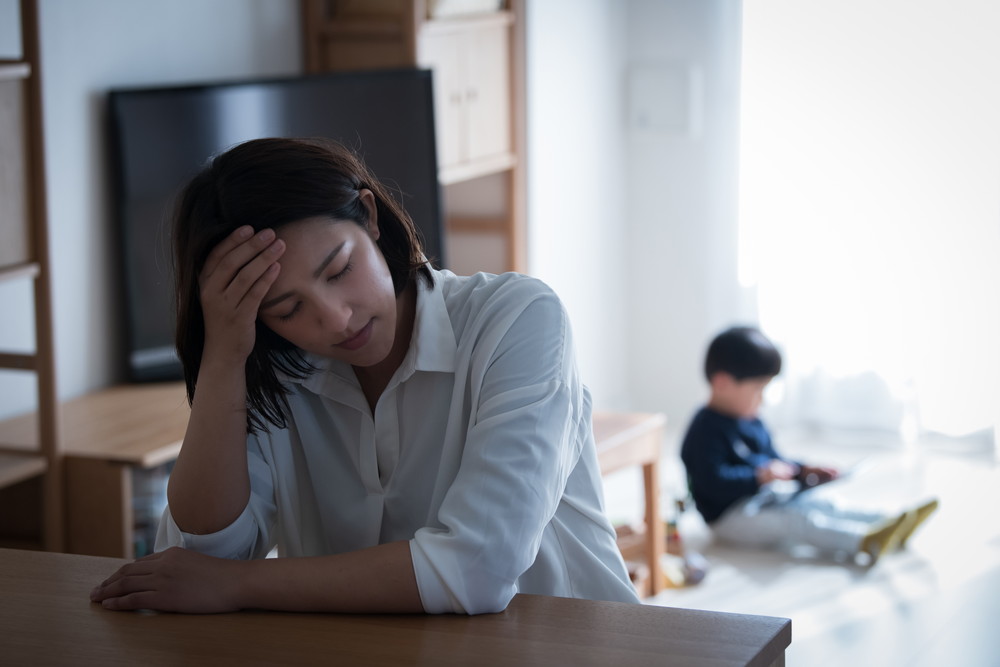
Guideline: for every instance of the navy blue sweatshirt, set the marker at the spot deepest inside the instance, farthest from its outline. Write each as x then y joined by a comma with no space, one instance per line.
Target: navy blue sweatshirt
721,455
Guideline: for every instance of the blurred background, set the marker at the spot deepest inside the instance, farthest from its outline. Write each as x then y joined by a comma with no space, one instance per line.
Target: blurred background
829,169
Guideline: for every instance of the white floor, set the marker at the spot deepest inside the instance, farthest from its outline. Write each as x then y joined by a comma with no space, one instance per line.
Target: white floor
935,603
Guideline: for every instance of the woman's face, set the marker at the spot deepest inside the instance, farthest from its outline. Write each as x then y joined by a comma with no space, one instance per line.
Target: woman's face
334,295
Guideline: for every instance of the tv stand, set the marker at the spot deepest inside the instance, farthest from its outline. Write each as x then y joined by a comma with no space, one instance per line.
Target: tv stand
107,436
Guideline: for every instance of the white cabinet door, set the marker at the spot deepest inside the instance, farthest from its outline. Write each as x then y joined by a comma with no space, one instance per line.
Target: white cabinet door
442,52
487,93
471,92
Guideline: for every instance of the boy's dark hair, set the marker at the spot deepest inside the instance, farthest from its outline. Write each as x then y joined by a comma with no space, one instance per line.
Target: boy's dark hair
743,352
268,183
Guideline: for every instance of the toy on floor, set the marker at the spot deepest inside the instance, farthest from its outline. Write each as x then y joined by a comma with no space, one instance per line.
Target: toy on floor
682,566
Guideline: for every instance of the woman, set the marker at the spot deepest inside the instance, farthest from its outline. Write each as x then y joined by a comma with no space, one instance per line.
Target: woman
409,440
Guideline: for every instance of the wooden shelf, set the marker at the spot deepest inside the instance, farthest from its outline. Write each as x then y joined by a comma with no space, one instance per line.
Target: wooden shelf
16,468
13,361
24,270
476,168
14,69
478,64
367,28
477,225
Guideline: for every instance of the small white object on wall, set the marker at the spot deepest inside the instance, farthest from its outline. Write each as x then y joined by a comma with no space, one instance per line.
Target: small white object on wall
665,98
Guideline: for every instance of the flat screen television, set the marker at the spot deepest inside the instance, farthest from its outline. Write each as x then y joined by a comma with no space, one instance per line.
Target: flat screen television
161,137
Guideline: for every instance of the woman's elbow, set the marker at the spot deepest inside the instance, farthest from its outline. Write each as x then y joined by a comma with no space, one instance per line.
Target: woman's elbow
489,602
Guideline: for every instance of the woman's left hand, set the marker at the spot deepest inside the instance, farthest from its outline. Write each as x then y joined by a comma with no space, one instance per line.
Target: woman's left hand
173,580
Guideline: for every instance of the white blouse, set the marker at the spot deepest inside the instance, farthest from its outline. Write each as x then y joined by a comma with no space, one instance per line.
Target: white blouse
480,452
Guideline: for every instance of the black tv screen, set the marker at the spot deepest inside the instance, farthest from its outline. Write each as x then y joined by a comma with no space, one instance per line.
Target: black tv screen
161,137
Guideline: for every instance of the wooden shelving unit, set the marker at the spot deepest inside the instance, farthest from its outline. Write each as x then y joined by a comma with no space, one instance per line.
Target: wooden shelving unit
24,255
478,64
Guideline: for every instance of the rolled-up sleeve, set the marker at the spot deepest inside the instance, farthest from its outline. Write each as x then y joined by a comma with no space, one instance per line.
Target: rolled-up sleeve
522,444
248,536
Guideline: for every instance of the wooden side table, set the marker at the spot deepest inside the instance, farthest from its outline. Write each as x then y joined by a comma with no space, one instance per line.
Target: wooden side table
106,435
629,439
110,432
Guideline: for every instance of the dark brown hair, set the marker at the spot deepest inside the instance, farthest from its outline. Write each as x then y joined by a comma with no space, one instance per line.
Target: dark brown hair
267,183
743,352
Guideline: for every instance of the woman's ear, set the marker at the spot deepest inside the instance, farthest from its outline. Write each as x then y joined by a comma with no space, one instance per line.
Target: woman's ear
368,200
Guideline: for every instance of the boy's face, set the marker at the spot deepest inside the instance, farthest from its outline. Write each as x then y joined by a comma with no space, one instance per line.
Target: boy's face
738,398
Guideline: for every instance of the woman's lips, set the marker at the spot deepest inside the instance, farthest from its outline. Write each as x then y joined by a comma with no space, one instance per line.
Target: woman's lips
359,339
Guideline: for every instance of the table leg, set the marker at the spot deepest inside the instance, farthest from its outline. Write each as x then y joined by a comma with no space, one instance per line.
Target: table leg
99,507
655,531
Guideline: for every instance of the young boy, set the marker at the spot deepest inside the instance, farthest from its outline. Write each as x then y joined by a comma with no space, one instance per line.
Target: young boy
746,491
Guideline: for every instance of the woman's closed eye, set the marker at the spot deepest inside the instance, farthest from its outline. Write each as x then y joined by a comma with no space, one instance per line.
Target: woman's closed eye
340,274
287,316
330,279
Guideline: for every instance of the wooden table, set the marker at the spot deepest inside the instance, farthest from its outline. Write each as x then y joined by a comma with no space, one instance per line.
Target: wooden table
46,617
636,439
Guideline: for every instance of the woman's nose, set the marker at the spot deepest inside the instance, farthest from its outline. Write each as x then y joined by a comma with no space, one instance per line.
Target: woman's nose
333,315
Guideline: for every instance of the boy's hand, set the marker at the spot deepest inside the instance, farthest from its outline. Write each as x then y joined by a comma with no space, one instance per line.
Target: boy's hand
814,475
776,469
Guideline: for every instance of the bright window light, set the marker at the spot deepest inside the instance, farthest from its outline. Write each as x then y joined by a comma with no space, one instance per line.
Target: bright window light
870,207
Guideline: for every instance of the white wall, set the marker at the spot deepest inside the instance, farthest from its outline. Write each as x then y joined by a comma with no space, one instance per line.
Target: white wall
578,212
87,48
10,35
682,190
635,227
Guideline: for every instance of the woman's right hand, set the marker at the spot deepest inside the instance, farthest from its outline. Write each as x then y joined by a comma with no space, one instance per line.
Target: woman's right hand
237,275
173,580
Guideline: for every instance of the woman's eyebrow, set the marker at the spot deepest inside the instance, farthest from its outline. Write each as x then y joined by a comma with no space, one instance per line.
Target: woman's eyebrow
316,274
273,302
326,262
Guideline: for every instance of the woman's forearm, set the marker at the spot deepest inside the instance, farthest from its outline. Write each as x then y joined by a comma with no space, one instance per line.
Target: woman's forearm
375,580
209,486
